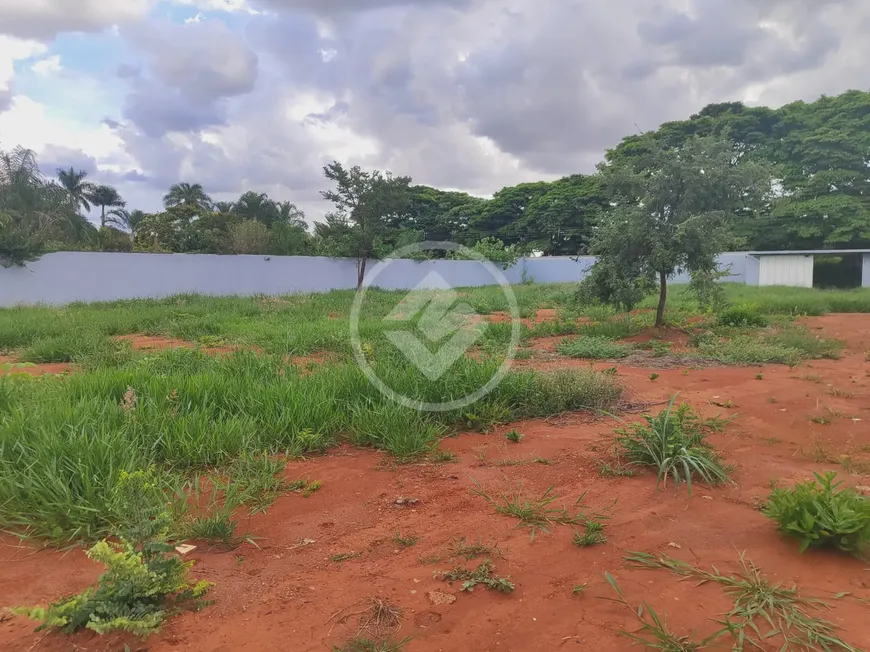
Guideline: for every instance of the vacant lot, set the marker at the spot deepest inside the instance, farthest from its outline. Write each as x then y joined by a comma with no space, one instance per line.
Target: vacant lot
323,512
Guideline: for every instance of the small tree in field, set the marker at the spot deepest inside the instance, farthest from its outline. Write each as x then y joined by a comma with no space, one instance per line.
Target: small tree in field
671,212
365,202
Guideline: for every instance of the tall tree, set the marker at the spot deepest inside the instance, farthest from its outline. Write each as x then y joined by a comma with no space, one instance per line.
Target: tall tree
126,220
256,206
32,209
364,203
186,194
105,197
74,182
672,209
288,213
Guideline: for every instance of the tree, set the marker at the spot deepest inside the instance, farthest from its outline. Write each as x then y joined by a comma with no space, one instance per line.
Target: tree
223,207
73,181
32,209
365,202
186,194
125,220
672,212
288,213
105,197
248,237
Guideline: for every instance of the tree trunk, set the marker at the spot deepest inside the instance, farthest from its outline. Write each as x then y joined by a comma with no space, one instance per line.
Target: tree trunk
663,299
103,218
360,272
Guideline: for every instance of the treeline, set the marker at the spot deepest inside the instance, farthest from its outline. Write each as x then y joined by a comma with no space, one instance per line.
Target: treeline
819,152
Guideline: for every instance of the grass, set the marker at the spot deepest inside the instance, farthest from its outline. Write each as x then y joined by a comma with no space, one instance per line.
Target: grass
593,347
674,444
653,633
188,413
469,550
344,556
362,644
762,610
514,436
593,535
537,514
483,574
405,541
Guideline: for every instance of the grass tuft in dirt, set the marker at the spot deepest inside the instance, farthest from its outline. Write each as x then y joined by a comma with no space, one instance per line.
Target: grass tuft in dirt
654,633
405,541
674,444
473,549
484,574
361,644
821,516
593,348
592,536
537,514
514,436
763,611
344,556
741,317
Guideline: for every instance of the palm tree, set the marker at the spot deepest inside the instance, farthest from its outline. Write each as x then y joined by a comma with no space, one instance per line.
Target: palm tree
288,212
105,196
186,194
223,207
74,182
126,220
32,209
256,206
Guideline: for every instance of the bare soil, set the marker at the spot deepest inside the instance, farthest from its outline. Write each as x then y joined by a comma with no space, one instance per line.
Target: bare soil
35,369
283,594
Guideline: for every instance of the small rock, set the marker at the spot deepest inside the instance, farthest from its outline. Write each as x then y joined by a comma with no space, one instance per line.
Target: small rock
401,502
184,548
707,497
675,545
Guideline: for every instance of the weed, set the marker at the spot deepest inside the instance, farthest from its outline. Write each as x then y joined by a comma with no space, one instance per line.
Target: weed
143,581
771,441
673,443
818,452
616,329
743,349
406,541
762,610
771,399
218,528
813,378
514,436
820,516
653,377
579,589
820,419
473,550
484,574
441,456
654,633
592,536
759,376
541,460
524,354
617,470
840,393
361,644
685,372
344,556
593,348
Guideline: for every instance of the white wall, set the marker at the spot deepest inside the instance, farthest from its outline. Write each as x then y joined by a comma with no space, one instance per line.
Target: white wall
65,277
794,271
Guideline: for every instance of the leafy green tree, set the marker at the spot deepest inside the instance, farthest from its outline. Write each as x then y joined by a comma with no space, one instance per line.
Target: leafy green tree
256,206
105,197
248,237
189,195
73,181
289,213
672,212
32,209
125,220
289,239
365,202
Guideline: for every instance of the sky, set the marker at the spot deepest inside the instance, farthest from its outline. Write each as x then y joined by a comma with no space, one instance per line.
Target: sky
469,95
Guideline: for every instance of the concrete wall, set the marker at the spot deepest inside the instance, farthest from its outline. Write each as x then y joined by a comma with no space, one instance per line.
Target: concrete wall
865,272
65,277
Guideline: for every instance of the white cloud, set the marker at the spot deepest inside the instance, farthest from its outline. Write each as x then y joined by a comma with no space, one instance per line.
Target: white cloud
12,50
229,6
48,66
44,19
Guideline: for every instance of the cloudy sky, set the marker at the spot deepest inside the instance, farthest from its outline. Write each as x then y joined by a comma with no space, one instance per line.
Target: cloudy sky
462,94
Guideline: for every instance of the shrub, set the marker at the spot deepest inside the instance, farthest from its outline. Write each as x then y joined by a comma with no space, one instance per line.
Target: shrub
819,516
747,350
674,444
741,317
594,347
142,581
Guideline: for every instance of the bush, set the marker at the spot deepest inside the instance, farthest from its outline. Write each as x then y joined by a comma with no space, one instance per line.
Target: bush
819,516
674,444
747,350
593,348
142,581
741,317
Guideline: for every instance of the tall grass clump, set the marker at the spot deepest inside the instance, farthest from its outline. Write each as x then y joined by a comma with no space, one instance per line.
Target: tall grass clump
821,515
616,328
674,444
593,347
744,349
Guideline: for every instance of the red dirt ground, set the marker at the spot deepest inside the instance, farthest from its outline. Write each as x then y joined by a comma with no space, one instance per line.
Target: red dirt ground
281,596
35,370
157,343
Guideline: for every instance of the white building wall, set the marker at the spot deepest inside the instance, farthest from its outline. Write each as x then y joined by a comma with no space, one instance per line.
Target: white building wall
794,270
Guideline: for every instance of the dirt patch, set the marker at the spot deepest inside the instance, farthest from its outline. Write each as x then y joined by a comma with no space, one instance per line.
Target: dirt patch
676,337
158,343
9,366
279,596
